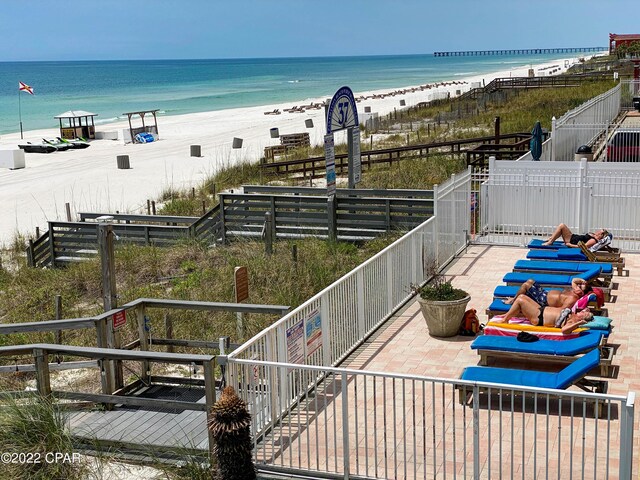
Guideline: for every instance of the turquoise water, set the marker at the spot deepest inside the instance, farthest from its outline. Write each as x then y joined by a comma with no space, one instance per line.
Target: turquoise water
109,88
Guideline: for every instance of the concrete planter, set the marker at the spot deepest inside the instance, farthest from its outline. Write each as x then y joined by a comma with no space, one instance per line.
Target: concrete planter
443,317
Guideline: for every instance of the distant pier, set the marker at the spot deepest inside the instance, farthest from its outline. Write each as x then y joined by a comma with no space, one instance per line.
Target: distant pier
519,51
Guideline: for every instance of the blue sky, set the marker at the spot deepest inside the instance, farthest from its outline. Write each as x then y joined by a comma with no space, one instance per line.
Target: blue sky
135,29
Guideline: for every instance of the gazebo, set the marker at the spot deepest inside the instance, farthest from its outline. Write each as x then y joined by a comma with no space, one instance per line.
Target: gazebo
77,123
133,131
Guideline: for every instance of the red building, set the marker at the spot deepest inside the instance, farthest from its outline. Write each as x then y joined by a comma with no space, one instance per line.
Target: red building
616,40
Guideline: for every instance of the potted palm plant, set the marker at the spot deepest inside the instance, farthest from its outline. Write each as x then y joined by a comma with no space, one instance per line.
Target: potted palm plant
442,306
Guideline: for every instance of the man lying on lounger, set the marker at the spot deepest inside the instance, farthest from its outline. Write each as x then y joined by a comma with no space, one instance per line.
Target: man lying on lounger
572,239
526,307
565,298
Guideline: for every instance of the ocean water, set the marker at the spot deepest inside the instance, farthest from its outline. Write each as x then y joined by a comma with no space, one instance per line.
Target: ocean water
110,88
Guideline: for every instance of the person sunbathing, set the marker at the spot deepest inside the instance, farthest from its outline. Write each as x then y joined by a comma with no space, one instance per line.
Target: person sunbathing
565,298
526,307
572,239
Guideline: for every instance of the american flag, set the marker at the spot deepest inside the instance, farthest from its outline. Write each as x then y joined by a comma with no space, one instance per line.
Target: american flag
23,87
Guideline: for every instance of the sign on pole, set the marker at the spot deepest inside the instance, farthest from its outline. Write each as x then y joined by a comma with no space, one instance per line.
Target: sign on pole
357,163
330,161
119,319
241,281
342,112
241,287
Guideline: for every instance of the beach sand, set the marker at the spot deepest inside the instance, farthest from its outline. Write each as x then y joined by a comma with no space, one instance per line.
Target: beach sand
90,181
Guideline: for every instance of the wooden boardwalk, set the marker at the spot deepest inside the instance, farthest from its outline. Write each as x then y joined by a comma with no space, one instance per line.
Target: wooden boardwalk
145,431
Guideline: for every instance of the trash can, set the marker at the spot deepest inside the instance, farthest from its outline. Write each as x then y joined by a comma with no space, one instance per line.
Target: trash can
636,103
196,151
584,151
123,162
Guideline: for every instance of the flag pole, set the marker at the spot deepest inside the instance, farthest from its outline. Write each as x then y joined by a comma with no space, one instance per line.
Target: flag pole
20,114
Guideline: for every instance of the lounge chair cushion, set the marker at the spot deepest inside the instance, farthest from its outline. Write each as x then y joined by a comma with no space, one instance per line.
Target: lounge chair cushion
599,323
586,341
568,254
539,265
512,330
537,243
531,378
511,290
550,279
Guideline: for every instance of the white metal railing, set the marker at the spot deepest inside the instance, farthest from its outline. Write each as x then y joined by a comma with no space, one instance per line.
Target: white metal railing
384,281
544,157
525,200
592,117
329,326
366,424
630,89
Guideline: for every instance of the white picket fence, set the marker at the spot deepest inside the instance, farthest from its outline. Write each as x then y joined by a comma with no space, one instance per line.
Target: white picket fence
524,200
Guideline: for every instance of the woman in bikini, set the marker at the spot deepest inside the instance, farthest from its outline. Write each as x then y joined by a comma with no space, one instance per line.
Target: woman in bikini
547,316
572,239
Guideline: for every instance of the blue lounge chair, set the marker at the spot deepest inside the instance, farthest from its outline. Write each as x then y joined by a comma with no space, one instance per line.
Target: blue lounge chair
550,280
551,351
572,374
606,270
537,243
574,255
503,291
561,254
547,279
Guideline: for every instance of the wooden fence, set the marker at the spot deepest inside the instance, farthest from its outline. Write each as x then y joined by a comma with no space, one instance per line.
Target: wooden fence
66,242
354,215
507,83
315,167
351,215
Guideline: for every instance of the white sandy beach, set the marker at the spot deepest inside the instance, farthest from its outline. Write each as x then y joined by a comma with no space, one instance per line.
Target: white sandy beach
90,182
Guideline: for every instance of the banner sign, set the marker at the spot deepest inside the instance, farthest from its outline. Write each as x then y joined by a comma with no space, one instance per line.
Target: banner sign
295,343
330,161
313,332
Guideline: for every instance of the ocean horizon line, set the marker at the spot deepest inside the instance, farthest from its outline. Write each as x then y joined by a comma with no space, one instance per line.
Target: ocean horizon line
297,57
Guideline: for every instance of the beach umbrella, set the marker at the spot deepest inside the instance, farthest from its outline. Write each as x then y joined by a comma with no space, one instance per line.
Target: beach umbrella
535,145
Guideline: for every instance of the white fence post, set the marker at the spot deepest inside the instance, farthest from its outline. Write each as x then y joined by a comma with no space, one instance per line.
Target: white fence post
436,242
345,422
582,170
553,139
626,437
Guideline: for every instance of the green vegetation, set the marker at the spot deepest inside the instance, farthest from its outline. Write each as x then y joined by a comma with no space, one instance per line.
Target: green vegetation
230,427
35,429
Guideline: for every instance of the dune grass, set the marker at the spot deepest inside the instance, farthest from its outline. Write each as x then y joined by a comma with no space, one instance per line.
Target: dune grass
36,427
